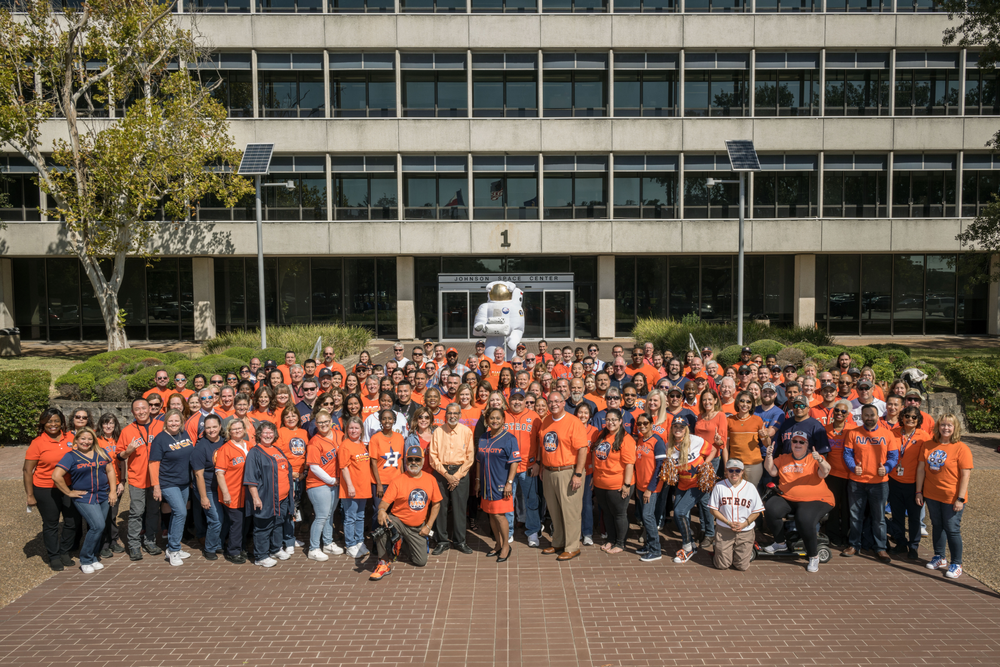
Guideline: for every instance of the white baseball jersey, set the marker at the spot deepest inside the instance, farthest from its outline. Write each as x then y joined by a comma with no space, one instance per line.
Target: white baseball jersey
736,503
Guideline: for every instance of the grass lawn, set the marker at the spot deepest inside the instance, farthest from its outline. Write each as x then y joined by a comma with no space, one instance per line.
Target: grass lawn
57,365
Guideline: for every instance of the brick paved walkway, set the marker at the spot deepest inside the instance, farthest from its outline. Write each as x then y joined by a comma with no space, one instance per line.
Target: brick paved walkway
598,610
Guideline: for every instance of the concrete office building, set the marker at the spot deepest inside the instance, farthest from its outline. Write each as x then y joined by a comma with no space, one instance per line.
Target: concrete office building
567,143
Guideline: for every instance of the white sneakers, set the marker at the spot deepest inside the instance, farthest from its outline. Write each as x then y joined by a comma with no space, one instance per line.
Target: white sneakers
333,548
87,569
358,551
510,539
588,541
291,550
175,558
362,550
353,551
97,565
776,547
282,555
813,565
299,543
183,554
267,562
533,540
317,554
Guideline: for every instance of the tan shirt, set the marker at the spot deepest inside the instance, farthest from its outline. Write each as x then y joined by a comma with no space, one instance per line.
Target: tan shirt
452,446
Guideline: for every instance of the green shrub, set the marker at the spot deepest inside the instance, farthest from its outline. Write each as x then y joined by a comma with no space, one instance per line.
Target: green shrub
729,356
884,371
863,355
832,350
346,340
218,363
244,354
808,348
897,358
115,391
673,335
905,349
792,355
23,396
766,346
978,383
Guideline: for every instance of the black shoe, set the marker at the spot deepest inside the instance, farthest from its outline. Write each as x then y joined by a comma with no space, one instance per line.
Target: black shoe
135,554
464,548
209,555
510,552
912,554
238,559
106,553
117,547
493,552
152,549
66,560
441,548
56,565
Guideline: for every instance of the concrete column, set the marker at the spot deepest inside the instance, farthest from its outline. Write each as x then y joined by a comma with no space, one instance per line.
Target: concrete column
203,270
993,305
605,296
804,292
6,293
406,315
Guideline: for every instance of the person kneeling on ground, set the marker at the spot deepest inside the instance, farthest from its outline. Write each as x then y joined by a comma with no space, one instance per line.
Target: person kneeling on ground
414,501
735,504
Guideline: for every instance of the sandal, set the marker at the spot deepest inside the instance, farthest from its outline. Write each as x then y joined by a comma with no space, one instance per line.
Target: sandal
615,550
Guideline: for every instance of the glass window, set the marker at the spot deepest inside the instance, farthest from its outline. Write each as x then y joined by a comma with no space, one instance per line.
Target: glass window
359,286
923,194
575,6
845,294
232,6
625,281
926,92
305,201
940,300
787,6
291,94
359,93
327,289
430,93
22,197
645,6
233,89
720,201
918,6
386,279
499,94
716,93
857,92
981,93
859,5
165,304
361,6
570,196
230,294
270,292
585,295
652,287
63,282
646,195
978,189
433,197
973,294
645,93
290,6
716,6
785,194
32,313
876,302
426,306
575,93
684,286
506,196
439,6
908,294
293,290
779,281
717,288
793,92
854,194
365,197
502,6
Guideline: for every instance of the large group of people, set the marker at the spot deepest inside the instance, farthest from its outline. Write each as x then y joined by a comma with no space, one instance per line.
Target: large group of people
406,454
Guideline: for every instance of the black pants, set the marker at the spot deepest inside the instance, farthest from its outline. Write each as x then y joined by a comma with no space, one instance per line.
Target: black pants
456,499
615,510
903,501
807,516
839,524
237,529
52,504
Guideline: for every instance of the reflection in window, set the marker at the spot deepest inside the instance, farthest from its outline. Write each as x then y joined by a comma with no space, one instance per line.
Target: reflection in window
979,188
939,301
360,94
231,6
845,294
787,93
857,92
570,196
431,93
923,194
982,97
720,201
645,93
926,92
645,7
646,195
434,197
291,94
854,194
716,93
876,301
506,196
233,89
439,6
504,6
785,194
908,294
290,6
365,197
574,93
499,93
305,201
575,6
716,6
21,197
858,5
362,6
787,6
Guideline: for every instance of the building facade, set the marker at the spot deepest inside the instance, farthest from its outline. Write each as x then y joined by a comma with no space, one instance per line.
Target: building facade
567,144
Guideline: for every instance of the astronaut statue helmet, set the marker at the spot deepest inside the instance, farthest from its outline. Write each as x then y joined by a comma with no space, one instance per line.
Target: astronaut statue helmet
500,292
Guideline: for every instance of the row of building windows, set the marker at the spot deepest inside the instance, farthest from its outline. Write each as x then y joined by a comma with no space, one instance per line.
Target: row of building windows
583,187
588,85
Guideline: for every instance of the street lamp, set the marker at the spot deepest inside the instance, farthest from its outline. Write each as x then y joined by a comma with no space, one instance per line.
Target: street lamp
256,162
742,158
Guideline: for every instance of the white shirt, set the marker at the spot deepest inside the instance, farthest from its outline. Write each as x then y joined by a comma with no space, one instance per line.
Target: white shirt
373,425
736,503
856,408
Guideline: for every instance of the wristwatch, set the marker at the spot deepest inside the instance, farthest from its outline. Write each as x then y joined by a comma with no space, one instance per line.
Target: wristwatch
578,474
961,500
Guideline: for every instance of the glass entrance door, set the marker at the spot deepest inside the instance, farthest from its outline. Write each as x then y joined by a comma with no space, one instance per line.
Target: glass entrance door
547,314
558,318
454,316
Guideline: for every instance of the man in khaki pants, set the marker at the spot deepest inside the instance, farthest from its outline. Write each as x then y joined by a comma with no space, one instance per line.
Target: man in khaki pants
561,447
735,504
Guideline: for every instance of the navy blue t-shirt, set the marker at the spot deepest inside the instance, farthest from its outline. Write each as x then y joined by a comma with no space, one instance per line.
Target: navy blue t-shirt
174,454
628,421
203,458
691,417
90,475
814,430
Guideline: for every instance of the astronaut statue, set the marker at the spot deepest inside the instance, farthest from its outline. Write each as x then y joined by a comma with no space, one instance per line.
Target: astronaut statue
501,319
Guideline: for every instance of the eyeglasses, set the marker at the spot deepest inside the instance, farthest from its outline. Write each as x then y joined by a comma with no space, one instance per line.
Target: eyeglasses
613,398
180,378
216,381
734,471
418,354
909,417
839,412
630,395
643,423
327,403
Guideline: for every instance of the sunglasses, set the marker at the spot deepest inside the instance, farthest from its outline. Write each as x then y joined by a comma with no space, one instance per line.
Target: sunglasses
914,417
162,377
734,471
217,381
914,399
630,395
327,403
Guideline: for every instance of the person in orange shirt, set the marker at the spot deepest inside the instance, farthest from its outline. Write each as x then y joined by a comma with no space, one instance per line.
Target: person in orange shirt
640,365
840,424
602,382
870,452
144,510
330,362
180,385
230,460
355,487
943,485
561,443
268,478
650,454
823,411
284,368
292,441
713,427
162,387
614,471
369,399
321,486
522,423
386,451
903,482
44,453
801,479
914,398
745,431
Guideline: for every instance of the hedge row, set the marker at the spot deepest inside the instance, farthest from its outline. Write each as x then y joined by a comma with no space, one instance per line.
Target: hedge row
674,335
978,382
299,338
23,396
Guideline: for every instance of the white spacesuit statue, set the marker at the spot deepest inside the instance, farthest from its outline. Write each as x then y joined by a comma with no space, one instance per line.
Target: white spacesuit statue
501,319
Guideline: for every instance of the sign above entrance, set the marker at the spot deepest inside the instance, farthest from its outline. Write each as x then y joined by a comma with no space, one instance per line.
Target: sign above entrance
528,282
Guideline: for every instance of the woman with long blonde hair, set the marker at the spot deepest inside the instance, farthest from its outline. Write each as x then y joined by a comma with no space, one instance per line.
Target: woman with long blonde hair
685,454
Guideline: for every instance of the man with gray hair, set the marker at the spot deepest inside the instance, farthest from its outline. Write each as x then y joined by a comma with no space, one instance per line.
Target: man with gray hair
577,388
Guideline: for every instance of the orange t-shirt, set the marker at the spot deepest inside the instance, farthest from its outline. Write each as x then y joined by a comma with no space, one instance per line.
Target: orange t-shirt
592,433
645,463
417,397
231,458
410,498
800,481
560,371
495,369
47,452
368,407
651,374
835,457
292,442
729,408
138,462
598,400
523,426
870,449
609,465
354,457
699,452
387,452
223,412
263,416
322,452
825,416
283,467
707,428
164,394
334,367
558,441
910,447
744,439
286,377
942,464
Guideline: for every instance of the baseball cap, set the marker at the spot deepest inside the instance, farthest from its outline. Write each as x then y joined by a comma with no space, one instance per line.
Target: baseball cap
521,346
745,369
914,392
480,343
800,400
414,452
679,421
706,349
270,363
326,372
800,434
450,350
789,365
828,385
865,384
674,389
854,370
517,392
769,385
734,463
746,350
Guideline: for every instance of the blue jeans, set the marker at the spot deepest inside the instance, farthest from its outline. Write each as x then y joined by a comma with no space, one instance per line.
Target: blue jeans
214,516
354,521
176,497
946,528
707,518
647,510
902,498
526,494
324,501
684,502
288,526
95,515
867,500
587,516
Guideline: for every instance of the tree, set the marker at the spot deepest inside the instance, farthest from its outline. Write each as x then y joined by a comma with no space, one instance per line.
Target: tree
979,26
134,137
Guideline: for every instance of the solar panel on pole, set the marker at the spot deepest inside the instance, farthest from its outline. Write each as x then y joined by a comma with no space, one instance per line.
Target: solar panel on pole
742,155
256,160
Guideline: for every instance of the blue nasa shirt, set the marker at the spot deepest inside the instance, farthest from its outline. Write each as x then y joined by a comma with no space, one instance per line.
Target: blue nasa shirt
494,455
